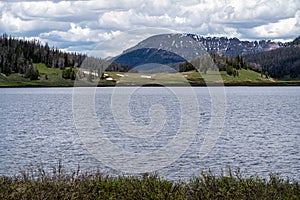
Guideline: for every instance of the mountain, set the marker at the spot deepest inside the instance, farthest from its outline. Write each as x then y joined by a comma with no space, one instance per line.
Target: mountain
181,44
190,45
146,59
174,48
166,49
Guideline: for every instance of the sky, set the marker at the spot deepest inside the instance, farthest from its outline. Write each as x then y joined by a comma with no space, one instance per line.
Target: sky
112,25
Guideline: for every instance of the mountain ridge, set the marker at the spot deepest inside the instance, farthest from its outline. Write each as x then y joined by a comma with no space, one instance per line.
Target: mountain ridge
233,46
222,45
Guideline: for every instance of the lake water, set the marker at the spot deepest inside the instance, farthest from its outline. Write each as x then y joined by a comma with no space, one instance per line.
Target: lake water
261,132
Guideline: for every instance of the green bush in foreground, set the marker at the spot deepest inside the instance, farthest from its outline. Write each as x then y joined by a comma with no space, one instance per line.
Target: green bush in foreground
36,184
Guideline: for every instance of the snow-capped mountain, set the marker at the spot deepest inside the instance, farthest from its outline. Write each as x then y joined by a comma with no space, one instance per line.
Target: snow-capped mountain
192,45
174,48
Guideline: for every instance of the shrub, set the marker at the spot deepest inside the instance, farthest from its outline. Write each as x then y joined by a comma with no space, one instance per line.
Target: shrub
32,73
229,70
69,73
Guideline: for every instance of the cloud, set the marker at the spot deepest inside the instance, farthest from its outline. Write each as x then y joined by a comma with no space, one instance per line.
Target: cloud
262,11
285,28
75,33
130,19
83,23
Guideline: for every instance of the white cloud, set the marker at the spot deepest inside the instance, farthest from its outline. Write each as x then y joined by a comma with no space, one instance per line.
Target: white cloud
297,17
131,19
74,34
261,11
11,23
109,35
75,23
283,28
77,30
42,9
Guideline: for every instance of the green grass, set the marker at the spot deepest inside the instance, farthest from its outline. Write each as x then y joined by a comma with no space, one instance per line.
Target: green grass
246,77
37,184
54,79
141,78
45,70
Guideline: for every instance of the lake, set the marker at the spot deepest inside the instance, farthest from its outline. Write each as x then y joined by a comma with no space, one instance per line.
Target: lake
259,132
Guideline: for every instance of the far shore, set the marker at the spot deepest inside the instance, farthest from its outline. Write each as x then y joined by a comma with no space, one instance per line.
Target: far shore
51,77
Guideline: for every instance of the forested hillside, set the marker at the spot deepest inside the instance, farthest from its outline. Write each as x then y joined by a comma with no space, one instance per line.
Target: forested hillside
280,63
18,55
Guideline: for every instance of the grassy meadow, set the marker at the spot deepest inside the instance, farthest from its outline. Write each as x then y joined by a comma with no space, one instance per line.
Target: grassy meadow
49,77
